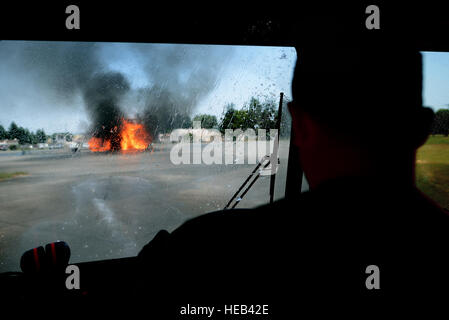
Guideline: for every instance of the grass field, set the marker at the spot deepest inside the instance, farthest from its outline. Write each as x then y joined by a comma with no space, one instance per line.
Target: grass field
9,175
432,169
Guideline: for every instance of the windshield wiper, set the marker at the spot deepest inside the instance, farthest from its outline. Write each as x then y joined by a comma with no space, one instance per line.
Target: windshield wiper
272,159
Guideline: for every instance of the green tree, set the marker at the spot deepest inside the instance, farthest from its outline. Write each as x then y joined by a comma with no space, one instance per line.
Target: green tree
254,115
28,136
254,112
441,122
41,137
3,133
13,131
207,121
23,135
268,116
226,119
33,138
234,119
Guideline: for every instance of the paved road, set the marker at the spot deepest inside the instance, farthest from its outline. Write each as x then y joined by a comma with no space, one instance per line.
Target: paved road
110,205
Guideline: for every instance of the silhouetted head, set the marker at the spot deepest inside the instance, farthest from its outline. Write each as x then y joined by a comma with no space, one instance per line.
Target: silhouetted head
358,112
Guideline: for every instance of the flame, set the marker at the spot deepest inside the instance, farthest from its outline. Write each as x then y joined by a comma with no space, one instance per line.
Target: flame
132,136
99,145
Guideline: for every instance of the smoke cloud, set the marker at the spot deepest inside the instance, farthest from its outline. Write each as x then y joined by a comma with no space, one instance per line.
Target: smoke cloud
102,95
181,76
177,78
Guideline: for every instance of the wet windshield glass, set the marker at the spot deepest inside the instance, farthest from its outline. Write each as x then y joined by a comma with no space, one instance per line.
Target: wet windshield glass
104,144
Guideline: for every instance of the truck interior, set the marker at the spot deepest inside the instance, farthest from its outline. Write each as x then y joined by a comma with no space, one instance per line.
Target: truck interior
127,170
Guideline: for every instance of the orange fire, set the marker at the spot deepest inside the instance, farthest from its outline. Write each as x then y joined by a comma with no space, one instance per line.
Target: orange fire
132,136
99,145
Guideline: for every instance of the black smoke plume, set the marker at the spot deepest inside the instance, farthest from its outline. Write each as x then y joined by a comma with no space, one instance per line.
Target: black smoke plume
181,75
178,77
102,96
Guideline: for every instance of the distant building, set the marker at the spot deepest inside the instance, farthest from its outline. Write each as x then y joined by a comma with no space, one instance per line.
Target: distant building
164,137
42,145
13,142
6,144
79,138
60,138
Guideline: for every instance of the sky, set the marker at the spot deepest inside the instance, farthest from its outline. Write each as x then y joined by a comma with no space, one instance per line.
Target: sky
436,80
29,90
28,95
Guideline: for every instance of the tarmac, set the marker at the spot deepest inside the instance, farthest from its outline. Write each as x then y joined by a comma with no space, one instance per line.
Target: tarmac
109,205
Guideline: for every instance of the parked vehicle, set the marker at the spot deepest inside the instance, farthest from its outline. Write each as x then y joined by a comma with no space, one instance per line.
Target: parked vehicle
56,146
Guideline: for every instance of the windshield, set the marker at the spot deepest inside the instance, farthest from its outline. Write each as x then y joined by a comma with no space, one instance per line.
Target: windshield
104,144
